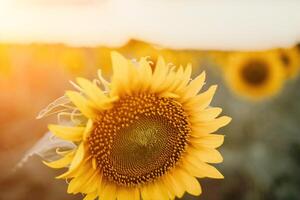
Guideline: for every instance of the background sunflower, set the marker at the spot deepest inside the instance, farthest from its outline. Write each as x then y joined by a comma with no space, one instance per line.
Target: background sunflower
290,61
254,75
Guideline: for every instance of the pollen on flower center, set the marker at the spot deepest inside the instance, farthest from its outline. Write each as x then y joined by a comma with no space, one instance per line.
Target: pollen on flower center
255,72
139,139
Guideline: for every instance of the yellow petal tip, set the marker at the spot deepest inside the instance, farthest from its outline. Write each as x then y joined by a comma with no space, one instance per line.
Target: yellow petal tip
227,120
47,164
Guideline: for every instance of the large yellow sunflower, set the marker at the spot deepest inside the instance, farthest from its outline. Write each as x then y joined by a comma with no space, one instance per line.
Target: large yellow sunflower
145,135
290,59
256,75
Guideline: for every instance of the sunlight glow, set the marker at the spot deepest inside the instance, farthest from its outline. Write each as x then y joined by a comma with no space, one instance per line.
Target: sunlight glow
196,24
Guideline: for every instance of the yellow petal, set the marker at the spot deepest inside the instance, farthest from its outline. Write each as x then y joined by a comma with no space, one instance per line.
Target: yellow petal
194,87
167,82
61,152
158,191
205,154
77,171
88,129
169,192
79,183
81,103
169,95
178,78
92,184
201,101
193,169
120,79
125,193
186,77
209,141
93,92
136,194
109,192
67,174
146,192
128,193
153,191
119,62
94,163
145,73
134,79
63,162
190,184
97,183
170,186
205,115
204,169
210,127
74,184
90,196
78,158
179,190
159,74
67,132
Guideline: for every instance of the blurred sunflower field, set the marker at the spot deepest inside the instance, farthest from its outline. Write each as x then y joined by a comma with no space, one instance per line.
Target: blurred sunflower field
257,87
259,90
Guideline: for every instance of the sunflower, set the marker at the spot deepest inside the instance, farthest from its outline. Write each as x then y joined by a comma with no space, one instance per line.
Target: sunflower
145,135
290,61
136,49
297,46
255,75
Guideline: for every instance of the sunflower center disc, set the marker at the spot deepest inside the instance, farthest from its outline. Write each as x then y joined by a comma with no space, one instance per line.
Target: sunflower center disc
139,139
255,72
285,59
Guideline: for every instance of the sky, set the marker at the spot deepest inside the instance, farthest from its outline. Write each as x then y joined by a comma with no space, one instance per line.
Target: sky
177,24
